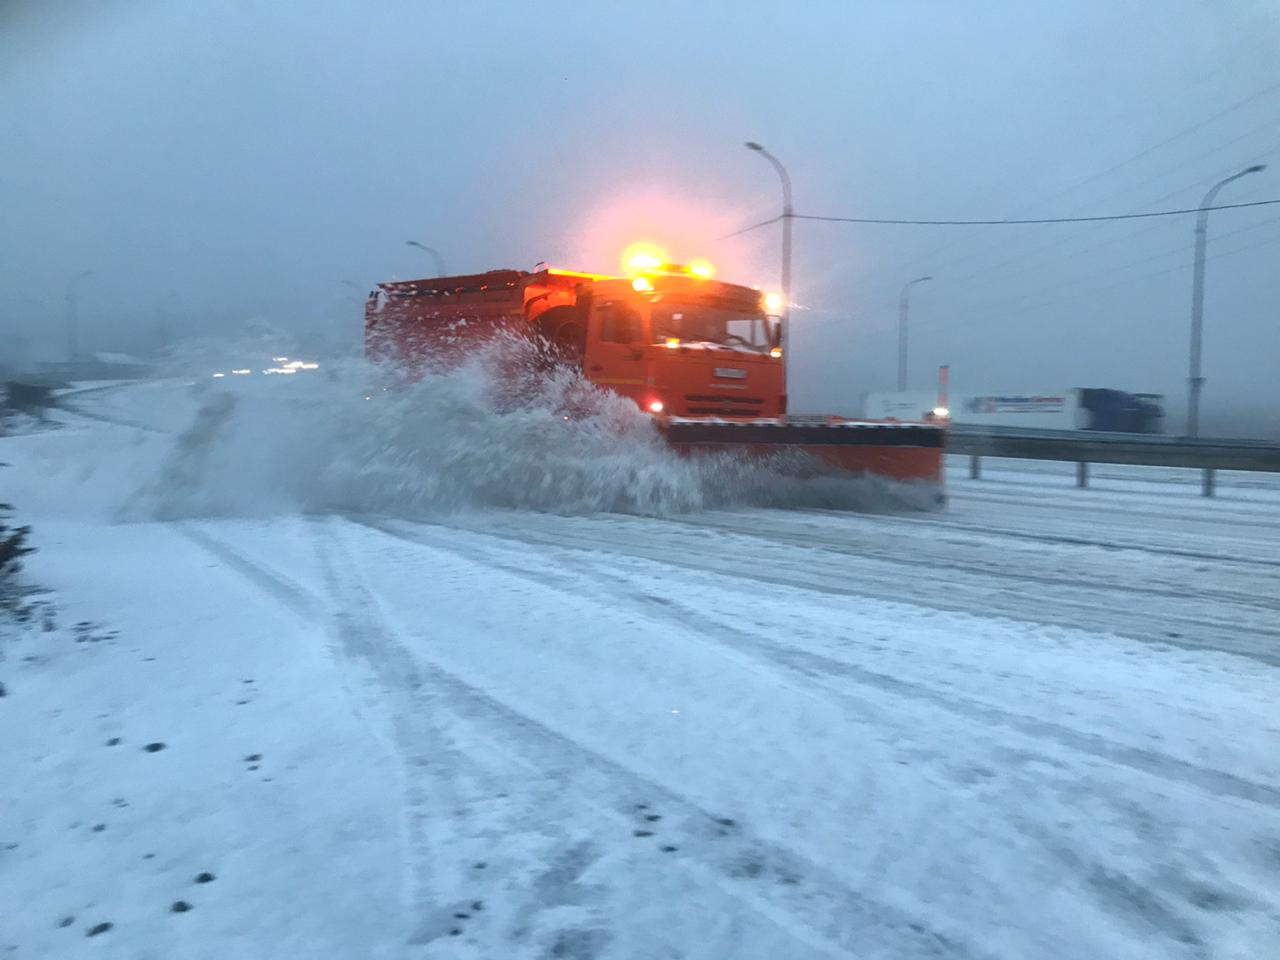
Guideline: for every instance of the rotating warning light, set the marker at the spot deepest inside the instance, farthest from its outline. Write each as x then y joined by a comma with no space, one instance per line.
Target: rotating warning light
640,257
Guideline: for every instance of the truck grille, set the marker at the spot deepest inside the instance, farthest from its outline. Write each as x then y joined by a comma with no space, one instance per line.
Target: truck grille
714,405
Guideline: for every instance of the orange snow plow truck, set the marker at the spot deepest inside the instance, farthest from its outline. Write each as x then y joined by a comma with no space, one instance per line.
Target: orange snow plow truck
704,358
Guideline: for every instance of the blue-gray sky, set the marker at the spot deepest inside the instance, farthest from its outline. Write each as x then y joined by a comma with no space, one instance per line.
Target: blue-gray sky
215,161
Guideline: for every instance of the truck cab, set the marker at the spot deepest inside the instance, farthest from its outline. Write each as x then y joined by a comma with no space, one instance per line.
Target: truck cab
683,345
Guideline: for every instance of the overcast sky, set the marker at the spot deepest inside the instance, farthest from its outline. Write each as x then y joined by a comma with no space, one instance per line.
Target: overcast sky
213,162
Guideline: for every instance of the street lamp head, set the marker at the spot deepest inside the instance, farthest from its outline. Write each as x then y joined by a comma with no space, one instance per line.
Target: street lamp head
923,279
752,145
1256,168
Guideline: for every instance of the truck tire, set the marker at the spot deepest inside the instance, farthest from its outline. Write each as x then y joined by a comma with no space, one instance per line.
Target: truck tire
565,333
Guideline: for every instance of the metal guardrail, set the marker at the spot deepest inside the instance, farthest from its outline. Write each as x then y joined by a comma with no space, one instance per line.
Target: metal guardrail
1085,447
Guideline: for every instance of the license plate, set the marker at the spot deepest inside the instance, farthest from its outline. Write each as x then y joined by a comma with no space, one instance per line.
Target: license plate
731,373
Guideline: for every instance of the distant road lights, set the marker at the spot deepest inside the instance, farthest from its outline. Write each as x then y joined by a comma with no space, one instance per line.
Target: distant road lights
703,269
773,303
641,285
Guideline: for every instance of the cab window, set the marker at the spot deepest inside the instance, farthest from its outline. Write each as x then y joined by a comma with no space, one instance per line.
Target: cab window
619,322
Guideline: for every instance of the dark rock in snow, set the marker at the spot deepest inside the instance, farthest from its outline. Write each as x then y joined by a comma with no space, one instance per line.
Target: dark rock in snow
97,928
455,932
654,817
642,833
477,905
669,849
148,856
479,865
3,692
66,921
113,742
205,878
253,758
154,747
462,916
180,906
253,766
99,827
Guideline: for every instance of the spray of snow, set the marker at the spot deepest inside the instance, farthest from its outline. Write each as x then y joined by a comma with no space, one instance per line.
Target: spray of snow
500,431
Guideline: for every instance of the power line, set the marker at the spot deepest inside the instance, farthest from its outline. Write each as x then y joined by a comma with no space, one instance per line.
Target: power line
994,223
1020,306
1147,151
1036,297
1028,259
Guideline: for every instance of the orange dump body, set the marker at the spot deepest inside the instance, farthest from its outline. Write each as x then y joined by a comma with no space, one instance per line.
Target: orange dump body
701,355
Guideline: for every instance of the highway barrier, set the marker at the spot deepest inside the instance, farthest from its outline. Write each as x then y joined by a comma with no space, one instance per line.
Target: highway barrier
1085,447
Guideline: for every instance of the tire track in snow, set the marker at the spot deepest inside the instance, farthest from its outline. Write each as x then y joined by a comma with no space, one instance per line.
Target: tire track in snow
414,740
802,898
982,529
813,665
984,596
755,528
1187,512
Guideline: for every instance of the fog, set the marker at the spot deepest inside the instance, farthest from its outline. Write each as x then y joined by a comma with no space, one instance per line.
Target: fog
227,167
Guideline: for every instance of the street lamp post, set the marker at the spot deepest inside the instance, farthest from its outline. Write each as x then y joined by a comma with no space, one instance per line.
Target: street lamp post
435,255
72,321
1195,382
902,330
787,216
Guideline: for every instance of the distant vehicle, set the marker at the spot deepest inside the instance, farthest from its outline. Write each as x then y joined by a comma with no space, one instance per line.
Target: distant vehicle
701,356
1080,408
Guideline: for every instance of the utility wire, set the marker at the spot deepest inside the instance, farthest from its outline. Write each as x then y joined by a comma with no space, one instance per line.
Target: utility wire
1034,297
993,223
1147,151
1029,259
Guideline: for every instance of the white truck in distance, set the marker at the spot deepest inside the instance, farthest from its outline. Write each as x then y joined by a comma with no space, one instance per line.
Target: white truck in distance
1079,408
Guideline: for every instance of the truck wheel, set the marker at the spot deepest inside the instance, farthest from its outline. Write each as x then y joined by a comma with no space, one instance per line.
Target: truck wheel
563,329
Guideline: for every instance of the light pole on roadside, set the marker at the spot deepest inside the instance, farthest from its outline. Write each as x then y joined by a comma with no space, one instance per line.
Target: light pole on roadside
1195,381
72,321
903,306
435,255
787,215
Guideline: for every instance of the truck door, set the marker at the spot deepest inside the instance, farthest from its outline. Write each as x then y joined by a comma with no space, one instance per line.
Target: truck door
615,348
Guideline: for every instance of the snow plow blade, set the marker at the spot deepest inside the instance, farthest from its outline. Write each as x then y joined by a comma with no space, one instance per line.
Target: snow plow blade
909,452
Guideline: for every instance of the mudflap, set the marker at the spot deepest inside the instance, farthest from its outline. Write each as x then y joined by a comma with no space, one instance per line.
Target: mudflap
903,452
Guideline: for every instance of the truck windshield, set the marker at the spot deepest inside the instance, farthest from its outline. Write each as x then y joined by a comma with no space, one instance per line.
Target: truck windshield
697,323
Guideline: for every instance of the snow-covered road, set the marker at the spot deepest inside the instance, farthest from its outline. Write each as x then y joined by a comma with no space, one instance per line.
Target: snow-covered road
1040,723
